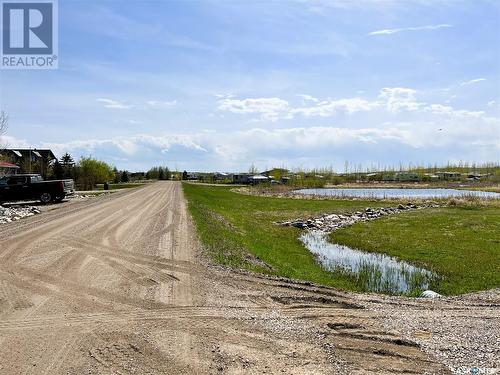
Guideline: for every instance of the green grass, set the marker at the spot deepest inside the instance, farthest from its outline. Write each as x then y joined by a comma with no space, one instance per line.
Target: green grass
238,231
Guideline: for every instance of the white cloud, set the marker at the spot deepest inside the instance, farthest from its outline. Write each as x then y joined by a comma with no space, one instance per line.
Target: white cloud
268,108
158,103
13,142
399,99
417,28
223,95
276,108
472,81
440,109
462,133
331,107
113,104
308,98
391,100
237,145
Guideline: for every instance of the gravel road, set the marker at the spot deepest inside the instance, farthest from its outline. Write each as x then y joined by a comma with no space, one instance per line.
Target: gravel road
118,285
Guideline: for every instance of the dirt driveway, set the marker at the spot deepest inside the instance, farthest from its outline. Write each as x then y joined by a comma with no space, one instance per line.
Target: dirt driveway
117,285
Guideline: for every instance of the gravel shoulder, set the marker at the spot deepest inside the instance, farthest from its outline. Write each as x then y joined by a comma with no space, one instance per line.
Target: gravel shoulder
119,284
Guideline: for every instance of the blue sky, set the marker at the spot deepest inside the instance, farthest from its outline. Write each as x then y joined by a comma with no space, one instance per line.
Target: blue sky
219,85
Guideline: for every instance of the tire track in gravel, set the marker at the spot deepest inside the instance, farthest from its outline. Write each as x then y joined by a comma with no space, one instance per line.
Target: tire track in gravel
118,284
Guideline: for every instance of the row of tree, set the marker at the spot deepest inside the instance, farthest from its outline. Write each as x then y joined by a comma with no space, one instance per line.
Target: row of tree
88,172
159,173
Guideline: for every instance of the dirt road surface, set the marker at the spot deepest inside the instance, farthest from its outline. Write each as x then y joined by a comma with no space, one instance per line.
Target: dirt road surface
117,285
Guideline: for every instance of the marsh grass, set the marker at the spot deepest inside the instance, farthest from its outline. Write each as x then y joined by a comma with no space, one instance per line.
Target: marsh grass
372,272
459,243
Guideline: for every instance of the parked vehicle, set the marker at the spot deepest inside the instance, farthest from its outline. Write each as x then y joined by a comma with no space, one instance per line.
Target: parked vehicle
32,187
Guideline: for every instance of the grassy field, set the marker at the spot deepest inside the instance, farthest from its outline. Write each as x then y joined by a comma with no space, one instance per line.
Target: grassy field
238,231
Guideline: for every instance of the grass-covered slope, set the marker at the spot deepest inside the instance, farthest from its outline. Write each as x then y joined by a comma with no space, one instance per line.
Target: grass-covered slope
238,231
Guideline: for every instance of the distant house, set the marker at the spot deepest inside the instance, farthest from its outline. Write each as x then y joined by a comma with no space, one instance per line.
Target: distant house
259,179
474,176
221,176
30,160
431,176
276,172
406,177
449,176
388,177
193,177
8,168
242,178
250,179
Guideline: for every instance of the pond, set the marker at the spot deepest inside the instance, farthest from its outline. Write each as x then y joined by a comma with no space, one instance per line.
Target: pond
374,272
398,193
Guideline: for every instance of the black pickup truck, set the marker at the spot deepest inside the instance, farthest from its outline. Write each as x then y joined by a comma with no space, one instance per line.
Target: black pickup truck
32,187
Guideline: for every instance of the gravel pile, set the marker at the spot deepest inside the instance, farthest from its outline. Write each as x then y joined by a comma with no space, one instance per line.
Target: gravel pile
331,222
9,214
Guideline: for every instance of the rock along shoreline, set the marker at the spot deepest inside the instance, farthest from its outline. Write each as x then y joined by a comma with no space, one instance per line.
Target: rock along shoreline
331,222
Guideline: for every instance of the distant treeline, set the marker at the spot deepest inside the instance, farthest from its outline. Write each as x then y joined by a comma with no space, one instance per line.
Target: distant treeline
89,172
158,173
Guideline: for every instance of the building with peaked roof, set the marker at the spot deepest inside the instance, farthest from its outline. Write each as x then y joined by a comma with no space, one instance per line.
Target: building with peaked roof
30,160
7,168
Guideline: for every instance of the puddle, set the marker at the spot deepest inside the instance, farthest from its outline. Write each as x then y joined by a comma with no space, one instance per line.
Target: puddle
373,271
398,193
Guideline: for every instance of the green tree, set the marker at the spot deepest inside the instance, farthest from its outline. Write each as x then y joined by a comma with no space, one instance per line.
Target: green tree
125,177
184,175
58,170
67,164
159,173
89,172
116,176
152,174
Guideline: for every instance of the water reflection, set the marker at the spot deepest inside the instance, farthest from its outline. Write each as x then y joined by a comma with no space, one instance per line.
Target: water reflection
373,271
398,193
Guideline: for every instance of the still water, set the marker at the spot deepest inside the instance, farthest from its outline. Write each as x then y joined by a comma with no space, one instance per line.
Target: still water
373,271
398,193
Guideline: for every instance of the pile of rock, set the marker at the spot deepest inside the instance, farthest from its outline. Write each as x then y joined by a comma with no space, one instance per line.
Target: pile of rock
9,214
331,222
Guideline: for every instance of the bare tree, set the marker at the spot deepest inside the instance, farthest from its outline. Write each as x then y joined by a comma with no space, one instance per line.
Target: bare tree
253,169
4,122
